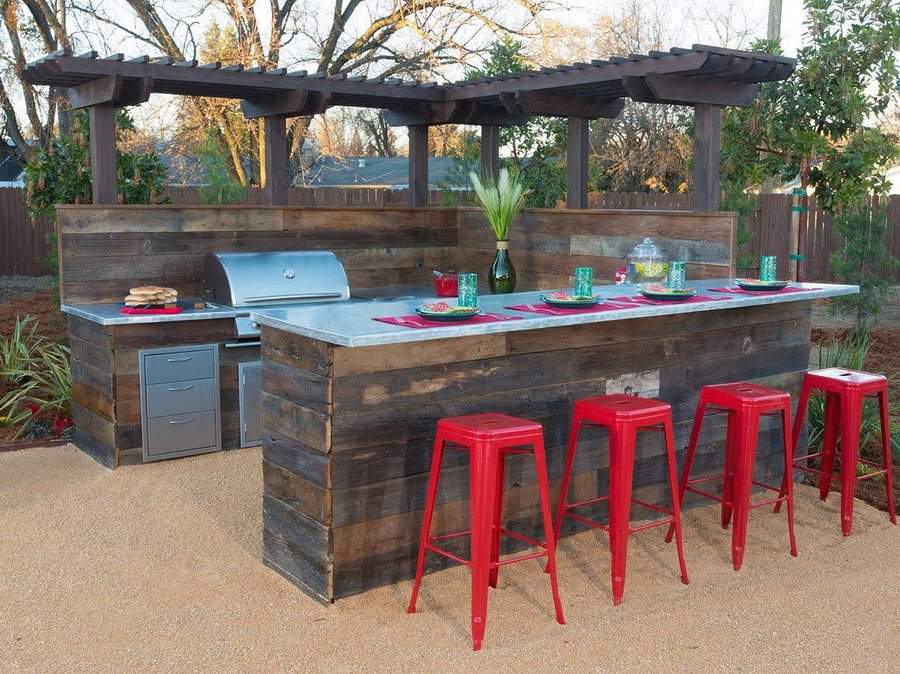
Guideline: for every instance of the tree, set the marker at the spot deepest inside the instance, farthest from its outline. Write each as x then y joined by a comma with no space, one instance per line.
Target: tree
817,125
219,184
60,173
379,37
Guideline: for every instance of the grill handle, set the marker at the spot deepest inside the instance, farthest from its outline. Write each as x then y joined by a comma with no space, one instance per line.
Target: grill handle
298,296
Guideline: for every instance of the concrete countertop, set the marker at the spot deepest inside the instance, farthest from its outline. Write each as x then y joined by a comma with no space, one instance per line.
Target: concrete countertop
109,314
353,325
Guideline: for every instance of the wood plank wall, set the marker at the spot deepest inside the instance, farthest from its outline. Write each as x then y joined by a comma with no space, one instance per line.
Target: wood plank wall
547,244
105,251
349,431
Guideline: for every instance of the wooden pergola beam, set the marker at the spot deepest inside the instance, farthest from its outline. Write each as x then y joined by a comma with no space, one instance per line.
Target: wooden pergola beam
452,112
276,187
112,90
560,105
577,162
418,166
490,150
290,104
102,119
676,90
707,146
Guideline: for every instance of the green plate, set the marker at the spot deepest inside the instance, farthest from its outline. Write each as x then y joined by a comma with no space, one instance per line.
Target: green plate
757,285
450,314
571,301
667,294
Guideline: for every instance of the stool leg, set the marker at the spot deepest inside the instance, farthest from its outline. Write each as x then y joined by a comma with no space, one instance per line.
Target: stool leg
728,472
621,467
851,419
745,455
795,438
574,430
886,449
498,512
436,456
788,468
829,443
540,464
676,501
482,479
689,457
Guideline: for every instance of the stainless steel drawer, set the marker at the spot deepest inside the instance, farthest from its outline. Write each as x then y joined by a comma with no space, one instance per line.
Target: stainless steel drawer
182,433
181,397
179,366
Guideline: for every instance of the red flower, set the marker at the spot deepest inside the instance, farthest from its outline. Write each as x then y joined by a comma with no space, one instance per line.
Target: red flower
34,409
61,424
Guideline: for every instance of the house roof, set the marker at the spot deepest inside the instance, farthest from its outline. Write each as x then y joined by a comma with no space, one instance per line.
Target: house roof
392,172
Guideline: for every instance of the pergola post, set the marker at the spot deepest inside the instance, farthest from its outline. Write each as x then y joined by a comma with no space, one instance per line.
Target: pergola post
490,150
707,145
276,187
418,165
577,162
102,119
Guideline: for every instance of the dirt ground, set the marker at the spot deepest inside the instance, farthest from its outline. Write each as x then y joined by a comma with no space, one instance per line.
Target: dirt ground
157,567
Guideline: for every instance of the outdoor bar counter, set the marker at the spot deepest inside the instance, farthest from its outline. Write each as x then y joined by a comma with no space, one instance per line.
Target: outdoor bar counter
350,407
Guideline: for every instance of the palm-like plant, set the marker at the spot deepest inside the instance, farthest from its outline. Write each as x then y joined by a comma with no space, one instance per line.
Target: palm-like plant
501,199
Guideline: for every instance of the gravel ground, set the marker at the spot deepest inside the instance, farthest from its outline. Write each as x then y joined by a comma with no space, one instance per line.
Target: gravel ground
20,286
157,567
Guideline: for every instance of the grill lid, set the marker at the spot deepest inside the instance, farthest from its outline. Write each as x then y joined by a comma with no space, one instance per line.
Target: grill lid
262,279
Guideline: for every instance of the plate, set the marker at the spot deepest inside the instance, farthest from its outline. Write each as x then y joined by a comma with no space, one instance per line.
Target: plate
667,294
564,299
757,284
441,311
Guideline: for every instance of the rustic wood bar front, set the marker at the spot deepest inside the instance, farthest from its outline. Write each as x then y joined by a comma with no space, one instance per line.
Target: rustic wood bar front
350,407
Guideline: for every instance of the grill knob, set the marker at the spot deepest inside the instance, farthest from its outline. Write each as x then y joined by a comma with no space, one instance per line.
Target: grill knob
254,325
288,273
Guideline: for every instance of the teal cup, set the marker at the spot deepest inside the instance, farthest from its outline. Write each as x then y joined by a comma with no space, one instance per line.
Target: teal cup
467,288
676,275
584,281
768,268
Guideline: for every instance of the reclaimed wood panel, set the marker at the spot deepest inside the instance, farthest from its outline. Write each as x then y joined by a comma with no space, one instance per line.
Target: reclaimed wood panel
104,251
354,455
547,244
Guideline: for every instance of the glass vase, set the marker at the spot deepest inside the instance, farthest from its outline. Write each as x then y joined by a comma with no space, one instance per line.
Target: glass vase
502,278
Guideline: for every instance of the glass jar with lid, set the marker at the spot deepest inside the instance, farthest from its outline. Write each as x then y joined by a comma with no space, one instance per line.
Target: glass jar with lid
647,263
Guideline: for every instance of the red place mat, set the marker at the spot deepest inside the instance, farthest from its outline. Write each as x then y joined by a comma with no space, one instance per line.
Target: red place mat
416,321
732,290
141,311
549,310
640,299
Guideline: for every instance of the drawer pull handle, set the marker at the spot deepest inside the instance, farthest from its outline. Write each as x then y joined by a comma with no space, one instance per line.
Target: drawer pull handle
182,421
183,359
188,387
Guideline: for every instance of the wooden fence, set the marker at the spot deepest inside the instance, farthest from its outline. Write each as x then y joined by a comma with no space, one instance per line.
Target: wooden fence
25,249
24,246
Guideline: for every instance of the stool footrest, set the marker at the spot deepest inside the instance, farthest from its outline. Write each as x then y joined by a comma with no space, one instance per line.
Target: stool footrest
705,494
430,545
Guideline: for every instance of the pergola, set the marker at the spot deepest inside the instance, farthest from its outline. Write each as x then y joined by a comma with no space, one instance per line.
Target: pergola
704,77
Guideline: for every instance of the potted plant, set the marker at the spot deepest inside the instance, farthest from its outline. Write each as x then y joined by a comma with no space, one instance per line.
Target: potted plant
501,200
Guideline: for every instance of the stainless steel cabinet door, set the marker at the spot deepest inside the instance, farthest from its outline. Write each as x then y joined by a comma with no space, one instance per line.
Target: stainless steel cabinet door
250,385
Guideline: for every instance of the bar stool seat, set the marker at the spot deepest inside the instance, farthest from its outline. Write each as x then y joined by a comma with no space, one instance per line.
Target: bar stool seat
623,415
489,439
745,403
845,393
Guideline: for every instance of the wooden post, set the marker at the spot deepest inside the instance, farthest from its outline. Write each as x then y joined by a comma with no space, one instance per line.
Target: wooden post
102,119
707,145
490,150
276,187
418,165
577,162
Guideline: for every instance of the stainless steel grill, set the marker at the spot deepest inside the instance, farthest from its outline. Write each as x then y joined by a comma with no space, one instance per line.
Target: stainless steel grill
248,281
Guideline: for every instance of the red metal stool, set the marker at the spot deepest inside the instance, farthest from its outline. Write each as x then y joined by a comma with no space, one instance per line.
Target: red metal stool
489,439
845,391
624,415
744,403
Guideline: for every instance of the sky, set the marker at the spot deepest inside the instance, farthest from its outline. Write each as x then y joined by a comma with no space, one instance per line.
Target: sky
687,21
